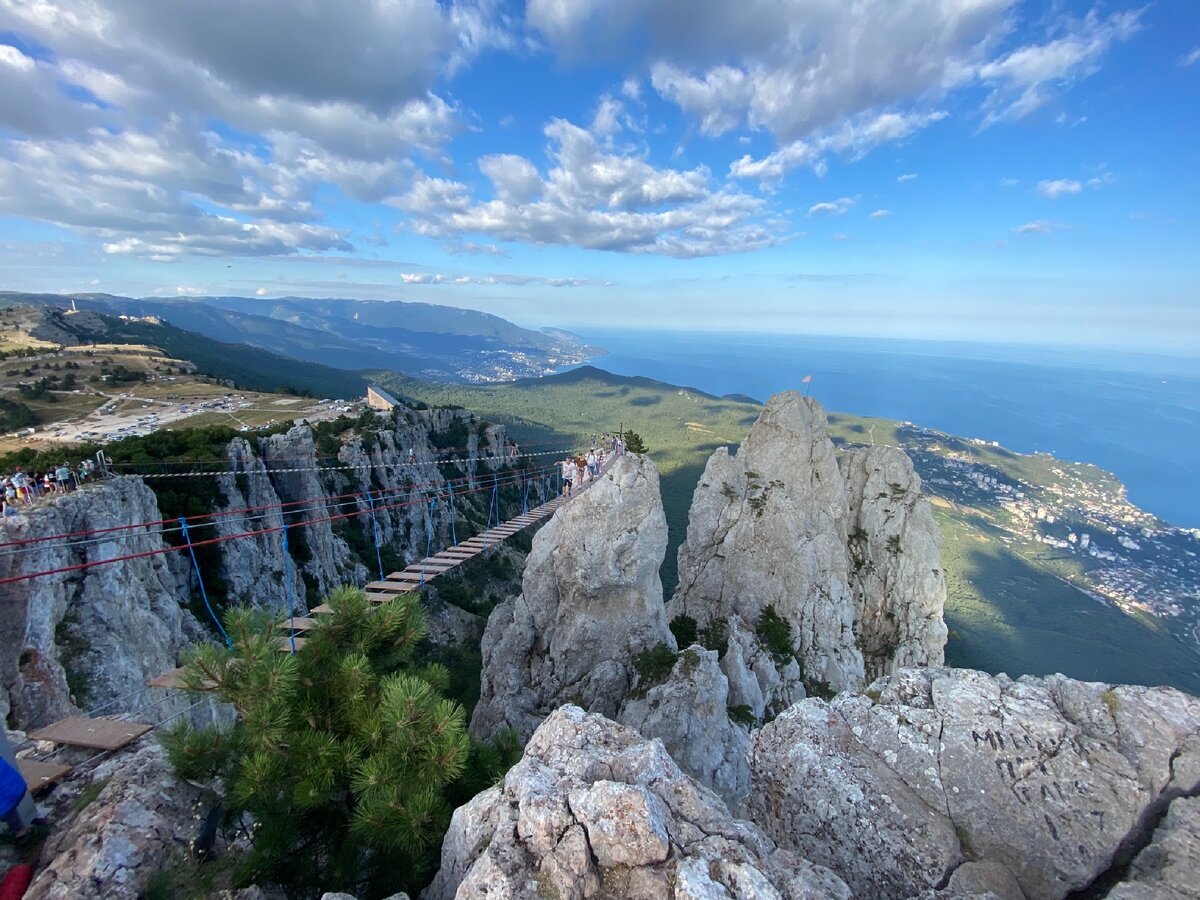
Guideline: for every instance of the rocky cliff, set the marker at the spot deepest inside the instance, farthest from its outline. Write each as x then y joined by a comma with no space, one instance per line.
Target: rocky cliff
142,819
590,607
805,565
591,598
91,637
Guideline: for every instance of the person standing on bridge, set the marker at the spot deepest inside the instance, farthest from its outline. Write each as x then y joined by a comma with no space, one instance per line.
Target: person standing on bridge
593,464
568,475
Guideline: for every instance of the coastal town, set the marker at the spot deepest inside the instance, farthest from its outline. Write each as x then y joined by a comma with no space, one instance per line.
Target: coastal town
1073,519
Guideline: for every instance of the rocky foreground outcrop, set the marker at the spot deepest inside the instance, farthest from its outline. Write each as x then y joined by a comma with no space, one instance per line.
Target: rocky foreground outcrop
595,809
848,558
1055,780
1169,867
590,599
142,817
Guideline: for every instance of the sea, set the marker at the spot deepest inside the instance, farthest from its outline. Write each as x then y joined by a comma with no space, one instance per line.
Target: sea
1136,415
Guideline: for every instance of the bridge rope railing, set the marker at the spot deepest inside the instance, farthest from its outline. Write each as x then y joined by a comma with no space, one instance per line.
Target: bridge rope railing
190,544
6,545
273,465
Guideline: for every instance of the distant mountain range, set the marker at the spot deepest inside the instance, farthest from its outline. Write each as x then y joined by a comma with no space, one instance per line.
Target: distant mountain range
434,342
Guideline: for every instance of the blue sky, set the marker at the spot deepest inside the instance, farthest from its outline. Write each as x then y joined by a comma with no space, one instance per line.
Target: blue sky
966,169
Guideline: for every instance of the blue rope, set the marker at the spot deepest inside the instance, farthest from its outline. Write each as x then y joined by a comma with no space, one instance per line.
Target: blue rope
428,533
492,504
453,515
524,495
287,582
375,529
203,593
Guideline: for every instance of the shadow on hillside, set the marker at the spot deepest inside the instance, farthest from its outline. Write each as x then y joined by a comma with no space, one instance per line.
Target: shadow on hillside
1030,622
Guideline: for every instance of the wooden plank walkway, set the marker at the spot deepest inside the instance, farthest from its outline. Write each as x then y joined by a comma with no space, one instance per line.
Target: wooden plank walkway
172,680
95,734
40,775
426,570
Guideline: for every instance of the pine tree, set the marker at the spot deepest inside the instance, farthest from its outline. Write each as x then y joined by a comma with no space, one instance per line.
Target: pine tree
634,442
341,754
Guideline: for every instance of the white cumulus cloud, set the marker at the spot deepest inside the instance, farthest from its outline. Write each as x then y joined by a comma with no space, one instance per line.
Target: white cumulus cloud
854,138
1040,226
1058,188
109,133
832,207
594,198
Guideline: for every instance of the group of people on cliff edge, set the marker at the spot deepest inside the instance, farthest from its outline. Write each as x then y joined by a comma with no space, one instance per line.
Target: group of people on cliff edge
23,488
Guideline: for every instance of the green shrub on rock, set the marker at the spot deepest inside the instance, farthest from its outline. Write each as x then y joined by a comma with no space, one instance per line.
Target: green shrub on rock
653,666
685,630
775,634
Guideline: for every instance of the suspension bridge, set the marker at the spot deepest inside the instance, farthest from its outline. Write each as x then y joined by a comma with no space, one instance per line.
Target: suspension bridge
108,734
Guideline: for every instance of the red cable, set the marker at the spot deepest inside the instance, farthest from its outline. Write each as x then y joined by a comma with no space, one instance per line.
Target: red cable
219,540
212,515
191,462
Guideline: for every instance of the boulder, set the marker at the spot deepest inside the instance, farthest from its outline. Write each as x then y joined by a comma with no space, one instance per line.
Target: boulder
591,598
768,527
895,562
689,714
114,844
1050,778
593,808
